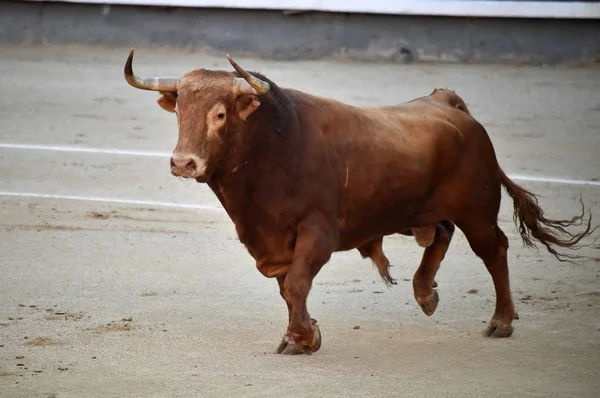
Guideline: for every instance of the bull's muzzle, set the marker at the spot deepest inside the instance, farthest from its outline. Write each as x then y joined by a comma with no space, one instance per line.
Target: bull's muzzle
188,166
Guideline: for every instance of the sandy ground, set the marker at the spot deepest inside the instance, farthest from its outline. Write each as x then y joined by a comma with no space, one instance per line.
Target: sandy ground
113,300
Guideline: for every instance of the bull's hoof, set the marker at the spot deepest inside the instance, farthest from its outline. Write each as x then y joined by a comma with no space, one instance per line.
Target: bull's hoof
315,347
289,348
498,329
288,345
429,305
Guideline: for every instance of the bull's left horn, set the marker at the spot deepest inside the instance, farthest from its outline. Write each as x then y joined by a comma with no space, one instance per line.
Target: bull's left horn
167,84
260,86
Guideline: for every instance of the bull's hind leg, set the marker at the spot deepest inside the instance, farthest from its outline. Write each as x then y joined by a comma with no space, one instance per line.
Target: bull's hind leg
491,245
374,250
424,278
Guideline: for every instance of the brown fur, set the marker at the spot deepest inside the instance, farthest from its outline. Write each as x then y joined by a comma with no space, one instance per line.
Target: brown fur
303,177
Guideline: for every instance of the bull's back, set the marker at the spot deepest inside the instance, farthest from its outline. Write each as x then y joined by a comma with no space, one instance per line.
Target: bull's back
390,162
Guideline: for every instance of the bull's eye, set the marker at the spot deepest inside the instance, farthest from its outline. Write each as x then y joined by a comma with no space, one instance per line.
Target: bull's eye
221,115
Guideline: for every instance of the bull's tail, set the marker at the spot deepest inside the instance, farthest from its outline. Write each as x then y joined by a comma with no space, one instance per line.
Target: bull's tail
529,217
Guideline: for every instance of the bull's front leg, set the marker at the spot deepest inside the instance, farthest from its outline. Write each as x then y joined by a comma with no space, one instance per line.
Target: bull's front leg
314,245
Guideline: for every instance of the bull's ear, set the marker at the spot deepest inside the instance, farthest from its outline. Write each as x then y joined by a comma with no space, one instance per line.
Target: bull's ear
246,104
168,101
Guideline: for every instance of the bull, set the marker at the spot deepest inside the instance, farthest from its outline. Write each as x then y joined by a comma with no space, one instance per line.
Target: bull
302,177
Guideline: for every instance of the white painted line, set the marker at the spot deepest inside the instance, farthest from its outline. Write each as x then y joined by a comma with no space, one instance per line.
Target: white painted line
110,151
113,200
554,180
205,207
60,148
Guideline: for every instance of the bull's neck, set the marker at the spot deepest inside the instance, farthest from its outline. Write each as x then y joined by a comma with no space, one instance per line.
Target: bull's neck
271,153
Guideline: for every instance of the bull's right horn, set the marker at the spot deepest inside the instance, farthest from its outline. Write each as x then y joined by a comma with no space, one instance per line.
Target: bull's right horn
259,86
167,84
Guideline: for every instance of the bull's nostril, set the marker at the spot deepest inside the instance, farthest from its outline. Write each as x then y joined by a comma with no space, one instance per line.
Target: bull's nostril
173,168
191,166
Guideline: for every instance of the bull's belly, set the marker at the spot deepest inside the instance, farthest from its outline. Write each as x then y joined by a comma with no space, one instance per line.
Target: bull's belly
273,246
357,229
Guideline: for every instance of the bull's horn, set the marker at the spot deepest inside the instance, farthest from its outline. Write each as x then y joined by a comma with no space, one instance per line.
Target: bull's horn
259,86
168,84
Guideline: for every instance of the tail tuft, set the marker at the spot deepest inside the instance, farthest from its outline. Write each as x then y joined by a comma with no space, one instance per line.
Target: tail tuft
529,218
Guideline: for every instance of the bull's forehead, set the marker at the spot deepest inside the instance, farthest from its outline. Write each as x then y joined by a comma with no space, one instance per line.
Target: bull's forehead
204,80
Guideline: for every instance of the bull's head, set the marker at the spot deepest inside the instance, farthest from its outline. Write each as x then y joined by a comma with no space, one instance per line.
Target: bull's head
209,106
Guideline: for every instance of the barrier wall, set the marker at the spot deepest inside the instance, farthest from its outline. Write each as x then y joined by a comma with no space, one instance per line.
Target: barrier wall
395,36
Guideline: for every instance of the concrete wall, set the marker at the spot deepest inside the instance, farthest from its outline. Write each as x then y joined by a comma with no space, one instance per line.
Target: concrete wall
306,36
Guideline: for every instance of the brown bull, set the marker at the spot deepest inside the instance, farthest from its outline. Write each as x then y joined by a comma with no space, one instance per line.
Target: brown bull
303,177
